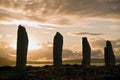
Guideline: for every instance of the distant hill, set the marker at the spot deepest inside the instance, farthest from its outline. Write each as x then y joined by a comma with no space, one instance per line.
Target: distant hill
92,61
4,61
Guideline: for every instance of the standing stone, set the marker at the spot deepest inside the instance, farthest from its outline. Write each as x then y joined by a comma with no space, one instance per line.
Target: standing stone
86,51
109,54
105,56
57,49
22,47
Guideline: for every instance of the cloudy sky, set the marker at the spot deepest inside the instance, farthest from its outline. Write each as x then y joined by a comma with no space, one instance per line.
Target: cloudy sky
98,20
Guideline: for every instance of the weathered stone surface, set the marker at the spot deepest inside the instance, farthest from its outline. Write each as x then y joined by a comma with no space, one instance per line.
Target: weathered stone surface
109,54
57,49
86,51
22,47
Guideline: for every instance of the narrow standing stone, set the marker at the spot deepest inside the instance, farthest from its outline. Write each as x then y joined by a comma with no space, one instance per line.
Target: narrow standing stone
57,49
22,47
109,54
86,51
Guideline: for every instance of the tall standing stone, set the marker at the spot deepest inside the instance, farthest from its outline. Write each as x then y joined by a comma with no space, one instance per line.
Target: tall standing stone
22,47
57,49
109,54
86,51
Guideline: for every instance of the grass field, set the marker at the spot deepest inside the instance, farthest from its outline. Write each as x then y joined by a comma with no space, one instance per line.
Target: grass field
65,72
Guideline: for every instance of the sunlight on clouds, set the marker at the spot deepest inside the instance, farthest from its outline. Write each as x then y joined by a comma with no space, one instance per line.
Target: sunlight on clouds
22,22
0,36
43,59
8,35
33,45
115,27
45,25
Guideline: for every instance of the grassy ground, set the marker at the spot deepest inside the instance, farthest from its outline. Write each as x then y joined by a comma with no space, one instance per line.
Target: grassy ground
65,72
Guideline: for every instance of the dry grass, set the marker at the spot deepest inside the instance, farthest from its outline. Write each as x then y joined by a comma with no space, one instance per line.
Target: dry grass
65,72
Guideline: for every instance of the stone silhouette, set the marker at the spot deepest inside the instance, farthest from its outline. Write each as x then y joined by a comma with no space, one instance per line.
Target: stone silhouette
86,51
109,54
22,47
57,49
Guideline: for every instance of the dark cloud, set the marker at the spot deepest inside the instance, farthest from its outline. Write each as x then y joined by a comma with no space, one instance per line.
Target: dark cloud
10,15
97,47
5,15
116,45
83,33
41,10
100,44
63,21
68,54
93,8
97,54
46,52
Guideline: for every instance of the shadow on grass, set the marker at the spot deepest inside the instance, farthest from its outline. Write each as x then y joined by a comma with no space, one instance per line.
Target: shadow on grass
64,72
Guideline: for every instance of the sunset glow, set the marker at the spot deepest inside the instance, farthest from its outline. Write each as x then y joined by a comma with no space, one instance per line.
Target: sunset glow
98,20
31,46
22,22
